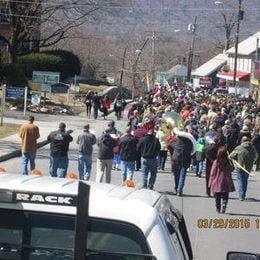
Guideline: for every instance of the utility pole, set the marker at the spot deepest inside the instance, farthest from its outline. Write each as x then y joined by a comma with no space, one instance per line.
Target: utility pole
123,67
135,66
153,72
192,28
239,18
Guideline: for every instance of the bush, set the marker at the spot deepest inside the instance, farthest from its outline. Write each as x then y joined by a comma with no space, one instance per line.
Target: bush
61,61
39,61
70,63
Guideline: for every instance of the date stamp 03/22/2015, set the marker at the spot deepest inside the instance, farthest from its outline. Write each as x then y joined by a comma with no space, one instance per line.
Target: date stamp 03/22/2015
228,223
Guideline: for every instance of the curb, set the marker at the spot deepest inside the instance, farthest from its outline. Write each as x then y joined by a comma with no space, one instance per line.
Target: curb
17,152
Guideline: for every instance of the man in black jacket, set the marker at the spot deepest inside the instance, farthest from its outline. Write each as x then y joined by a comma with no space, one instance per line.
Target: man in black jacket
181,159
127,149
150,147
105,156
59,161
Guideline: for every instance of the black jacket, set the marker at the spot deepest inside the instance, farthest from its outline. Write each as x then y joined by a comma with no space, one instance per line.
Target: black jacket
59,143
127,148
149,146
182,148
256,142
106,144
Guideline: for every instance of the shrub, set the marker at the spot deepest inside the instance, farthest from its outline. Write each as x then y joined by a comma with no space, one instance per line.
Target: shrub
61,61
41,62
70,62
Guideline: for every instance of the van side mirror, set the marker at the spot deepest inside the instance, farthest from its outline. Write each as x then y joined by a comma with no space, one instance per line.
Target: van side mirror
242,256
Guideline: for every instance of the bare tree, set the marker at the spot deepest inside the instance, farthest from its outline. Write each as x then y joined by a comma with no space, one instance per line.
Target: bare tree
229,22
42,23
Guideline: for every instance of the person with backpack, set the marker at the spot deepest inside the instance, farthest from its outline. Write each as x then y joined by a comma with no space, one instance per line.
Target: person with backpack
119,106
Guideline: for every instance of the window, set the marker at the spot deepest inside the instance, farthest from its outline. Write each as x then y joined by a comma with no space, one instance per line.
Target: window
36,236
4,15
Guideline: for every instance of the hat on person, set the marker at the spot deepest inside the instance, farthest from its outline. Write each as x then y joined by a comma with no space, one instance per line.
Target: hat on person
62,125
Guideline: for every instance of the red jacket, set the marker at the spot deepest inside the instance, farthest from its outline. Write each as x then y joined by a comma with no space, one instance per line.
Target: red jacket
221,177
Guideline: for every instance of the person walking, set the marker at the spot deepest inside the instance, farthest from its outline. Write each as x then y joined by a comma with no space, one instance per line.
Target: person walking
29,133
150,147
182,148
59,144
200,154
86,140
105,156
245,155
96,105
119,105
162,136
211,149
88,103
105,106
220,181
127,149
256,143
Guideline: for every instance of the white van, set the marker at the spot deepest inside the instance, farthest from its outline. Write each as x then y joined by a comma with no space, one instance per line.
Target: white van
44,218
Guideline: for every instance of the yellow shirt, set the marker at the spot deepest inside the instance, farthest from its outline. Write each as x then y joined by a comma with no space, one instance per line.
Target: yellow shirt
29,133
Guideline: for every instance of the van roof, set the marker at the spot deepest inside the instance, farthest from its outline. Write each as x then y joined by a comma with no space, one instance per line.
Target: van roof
109,201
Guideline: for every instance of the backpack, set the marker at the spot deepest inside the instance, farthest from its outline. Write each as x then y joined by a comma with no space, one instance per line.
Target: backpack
119,103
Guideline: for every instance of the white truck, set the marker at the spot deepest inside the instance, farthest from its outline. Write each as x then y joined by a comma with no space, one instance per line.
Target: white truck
52,219
45,218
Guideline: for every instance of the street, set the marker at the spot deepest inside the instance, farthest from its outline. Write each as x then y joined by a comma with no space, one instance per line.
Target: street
212,234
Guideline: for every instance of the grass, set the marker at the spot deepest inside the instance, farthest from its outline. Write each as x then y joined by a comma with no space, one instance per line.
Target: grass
8,129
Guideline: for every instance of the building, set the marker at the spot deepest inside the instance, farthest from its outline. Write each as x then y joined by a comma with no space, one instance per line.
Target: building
246,56
206,74
221,68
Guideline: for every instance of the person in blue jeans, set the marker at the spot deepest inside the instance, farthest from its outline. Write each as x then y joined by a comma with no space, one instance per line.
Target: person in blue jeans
245,155
127,149
182,149
85,140
29,133
150,147
59,144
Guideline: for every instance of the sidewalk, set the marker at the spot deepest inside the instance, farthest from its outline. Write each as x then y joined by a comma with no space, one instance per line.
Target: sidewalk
10,145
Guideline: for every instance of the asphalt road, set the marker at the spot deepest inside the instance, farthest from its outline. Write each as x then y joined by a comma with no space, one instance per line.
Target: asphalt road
212,234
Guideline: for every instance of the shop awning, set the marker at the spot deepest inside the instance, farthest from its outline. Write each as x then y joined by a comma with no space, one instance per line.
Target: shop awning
240,76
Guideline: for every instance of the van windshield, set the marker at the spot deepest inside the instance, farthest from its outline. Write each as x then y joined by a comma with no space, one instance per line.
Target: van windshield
36,236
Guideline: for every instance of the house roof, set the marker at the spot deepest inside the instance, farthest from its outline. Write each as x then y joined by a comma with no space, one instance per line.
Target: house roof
210,66
246,47
240,75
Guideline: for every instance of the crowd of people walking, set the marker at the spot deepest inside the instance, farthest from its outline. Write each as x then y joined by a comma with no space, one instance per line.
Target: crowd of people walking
218,136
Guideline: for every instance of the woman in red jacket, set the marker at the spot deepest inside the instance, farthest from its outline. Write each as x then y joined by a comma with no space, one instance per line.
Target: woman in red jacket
220,181
105,106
